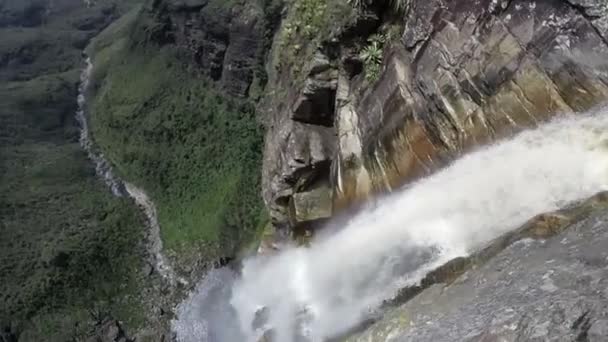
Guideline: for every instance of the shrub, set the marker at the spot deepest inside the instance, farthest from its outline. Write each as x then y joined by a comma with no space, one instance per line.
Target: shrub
372,56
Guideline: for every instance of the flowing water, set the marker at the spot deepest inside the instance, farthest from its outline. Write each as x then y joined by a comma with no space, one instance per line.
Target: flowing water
102,166
119,187
311,294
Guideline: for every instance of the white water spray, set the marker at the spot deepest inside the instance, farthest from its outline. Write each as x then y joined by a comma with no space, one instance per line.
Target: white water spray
322,291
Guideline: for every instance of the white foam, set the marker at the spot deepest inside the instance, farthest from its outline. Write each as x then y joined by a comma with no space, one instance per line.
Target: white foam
328,288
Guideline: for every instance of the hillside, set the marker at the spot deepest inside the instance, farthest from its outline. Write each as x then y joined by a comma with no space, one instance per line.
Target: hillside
315,170
70,252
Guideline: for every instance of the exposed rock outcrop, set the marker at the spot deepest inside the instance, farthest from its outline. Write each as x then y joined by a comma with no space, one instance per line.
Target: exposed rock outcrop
303,119
549,285
470,74
227,41
461,75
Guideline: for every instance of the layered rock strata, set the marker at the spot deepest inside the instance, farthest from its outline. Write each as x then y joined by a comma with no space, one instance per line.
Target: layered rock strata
461,75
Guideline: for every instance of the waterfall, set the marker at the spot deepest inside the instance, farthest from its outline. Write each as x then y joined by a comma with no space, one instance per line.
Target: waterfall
119,187
315,293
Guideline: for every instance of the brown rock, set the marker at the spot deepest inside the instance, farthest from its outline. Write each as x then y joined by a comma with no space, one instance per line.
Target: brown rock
462,75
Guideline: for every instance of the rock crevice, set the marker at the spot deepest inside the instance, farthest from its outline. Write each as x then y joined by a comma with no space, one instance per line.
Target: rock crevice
461,75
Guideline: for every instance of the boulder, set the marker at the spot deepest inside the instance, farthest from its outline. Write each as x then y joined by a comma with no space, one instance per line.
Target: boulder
311,206
304,157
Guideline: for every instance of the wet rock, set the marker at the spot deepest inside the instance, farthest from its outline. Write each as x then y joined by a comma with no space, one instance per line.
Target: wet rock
517,289
268,336
595,11
462,83
462,75
300,140
261,318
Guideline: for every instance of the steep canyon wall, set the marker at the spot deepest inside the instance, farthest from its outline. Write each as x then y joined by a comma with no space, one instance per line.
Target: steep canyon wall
459,75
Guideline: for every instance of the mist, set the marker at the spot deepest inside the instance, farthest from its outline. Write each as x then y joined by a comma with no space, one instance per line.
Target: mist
315,293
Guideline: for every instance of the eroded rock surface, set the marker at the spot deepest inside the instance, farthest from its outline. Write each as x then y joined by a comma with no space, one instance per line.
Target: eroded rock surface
225,40
466,74
462,75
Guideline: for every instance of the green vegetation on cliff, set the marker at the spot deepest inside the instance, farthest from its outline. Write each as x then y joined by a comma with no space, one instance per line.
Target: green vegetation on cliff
310,23
195,150
70,252
320,25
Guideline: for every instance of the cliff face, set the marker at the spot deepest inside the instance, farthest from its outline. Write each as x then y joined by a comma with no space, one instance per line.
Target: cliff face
172,106
225,40
459,75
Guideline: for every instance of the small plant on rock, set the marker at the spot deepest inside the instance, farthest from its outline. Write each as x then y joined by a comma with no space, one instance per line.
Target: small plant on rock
372,56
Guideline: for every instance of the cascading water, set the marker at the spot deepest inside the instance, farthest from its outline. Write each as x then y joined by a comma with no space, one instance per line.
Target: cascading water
119,187
315,293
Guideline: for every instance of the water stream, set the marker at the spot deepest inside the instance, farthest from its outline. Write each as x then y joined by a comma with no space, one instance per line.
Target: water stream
119,187
315,293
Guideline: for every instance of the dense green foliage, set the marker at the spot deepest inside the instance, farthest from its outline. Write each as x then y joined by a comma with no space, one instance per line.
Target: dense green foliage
69,251
65,243
197,152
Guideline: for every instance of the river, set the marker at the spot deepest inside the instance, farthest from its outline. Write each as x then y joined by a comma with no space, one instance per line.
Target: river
119,187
